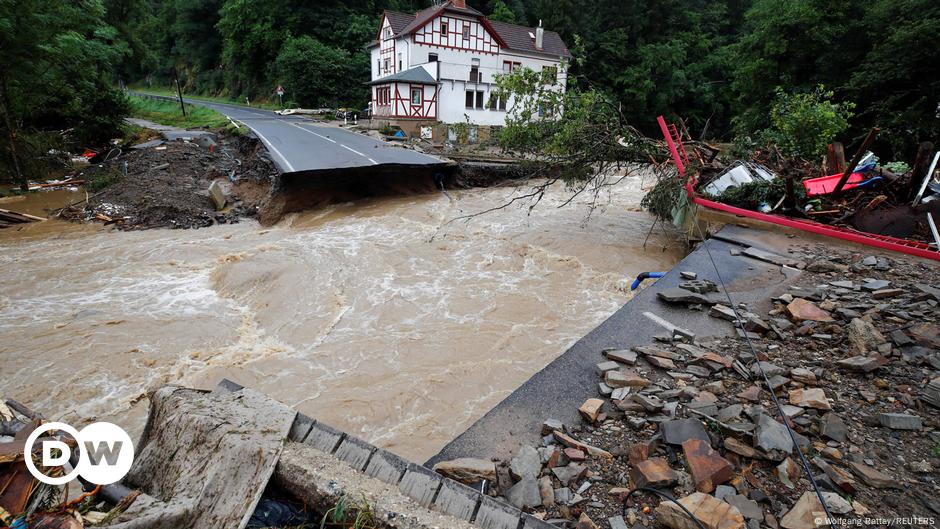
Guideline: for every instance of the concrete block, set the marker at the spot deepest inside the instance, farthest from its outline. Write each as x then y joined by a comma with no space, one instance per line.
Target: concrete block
420,484
387,467
324,438
300,428
495,514
355,452
457,500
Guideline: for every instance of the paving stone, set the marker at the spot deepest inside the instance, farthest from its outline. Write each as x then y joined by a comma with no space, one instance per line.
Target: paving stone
457,500
527,463
355,452
495,514
420,484
711,512
386,467
468,470
324,438
525,494
900,421
707,467
679,431
654,472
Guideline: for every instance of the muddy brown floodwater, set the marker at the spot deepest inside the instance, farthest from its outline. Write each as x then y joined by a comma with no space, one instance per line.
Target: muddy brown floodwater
378,317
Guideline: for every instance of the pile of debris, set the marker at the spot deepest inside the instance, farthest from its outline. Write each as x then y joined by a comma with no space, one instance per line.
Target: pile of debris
178,184
852,354
895,199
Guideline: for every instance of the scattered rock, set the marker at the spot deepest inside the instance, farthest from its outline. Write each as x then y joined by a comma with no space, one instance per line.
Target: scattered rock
591,409
569,473
832,427
525,494
810,398
622,379
862,364
900,421
708,468
678,432
711,512
585,522
749,508
873,477
863,336
772,437
467,470
804,310
624,356
733,445
788,473
526,464
654,472
804,514
681,295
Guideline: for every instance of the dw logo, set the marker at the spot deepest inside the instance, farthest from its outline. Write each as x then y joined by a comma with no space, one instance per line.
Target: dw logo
105,453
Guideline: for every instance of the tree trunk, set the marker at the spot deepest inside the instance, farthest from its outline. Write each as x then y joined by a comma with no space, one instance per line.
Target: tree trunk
11,135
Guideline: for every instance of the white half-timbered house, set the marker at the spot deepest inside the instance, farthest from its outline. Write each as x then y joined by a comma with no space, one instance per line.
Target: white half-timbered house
439,65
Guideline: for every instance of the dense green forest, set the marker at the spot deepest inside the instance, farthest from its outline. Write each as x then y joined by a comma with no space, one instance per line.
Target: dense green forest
716,63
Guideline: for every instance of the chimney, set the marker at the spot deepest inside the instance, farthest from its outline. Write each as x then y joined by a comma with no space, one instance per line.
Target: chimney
460,4
539,36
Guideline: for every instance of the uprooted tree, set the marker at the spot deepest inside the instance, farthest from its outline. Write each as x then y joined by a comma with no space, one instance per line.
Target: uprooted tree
573,136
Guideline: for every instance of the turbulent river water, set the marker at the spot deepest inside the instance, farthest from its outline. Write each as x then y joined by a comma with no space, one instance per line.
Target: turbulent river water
383,317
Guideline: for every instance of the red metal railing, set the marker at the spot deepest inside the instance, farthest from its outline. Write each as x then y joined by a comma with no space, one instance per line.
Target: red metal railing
916,248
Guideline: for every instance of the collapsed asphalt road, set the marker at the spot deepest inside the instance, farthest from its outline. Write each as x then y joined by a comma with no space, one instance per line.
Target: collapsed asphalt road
298,145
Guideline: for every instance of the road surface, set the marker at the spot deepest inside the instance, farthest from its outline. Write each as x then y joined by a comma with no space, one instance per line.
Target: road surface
298,145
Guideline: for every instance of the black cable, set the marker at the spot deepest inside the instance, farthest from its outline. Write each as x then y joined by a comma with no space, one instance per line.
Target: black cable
773,396
662,494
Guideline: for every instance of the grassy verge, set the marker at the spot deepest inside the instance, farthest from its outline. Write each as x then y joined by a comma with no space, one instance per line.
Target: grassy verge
266,105
169,113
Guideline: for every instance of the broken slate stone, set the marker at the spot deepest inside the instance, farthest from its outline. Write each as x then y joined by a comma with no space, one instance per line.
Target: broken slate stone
769,369
654,472
875,284
526,464
804,513
622,379
710,511
803,310
863,336
900,421
787,472
862,364
887,293
810,398
591,409
749,508
604,367
872,477
733,445
772,437
568,473
832,427
681,295
678,432
708,468
624,356
525,494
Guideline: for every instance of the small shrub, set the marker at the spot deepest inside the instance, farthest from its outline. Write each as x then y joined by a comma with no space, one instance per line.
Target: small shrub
804,123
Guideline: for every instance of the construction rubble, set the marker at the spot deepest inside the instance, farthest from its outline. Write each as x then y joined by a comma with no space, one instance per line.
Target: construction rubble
852,354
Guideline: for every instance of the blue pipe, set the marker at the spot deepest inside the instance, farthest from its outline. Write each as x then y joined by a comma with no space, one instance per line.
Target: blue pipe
645,275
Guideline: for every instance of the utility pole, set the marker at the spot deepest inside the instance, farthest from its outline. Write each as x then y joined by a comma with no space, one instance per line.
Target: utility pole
179,91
